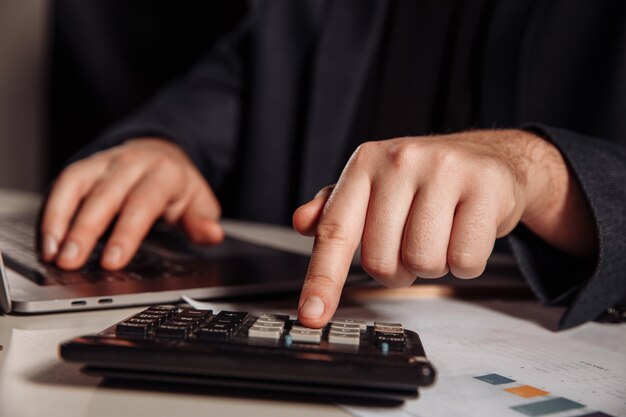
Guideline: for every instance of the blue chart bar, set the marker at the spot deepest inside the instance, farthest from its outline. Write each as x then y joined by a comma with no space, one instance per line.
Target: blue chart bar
495,379
553,405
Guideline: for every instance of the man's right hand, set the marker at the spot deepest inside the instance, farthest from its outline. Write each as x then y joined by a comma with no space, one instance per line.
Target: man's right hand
139,181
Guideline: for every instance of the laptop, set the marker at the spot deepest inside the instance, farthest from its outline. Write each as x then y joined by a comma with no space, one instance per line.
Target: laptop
166,267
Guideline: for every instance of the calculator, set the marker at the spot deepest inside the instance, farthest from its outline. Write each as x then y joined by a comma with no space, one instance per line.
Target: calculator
233,349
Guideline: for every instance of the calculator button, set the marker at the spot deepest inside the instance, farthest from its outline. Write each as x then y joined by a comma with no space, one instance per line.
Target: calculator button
211,333
222,325
220,328
388,327
304,335
159,318
345,331
148,324
231,316
383,324
269,320
344,338
131,328
200,314
164,307
168,330
274,325
180,323
361,323
279,317
162,313
264,332
347,326
299,328
192,321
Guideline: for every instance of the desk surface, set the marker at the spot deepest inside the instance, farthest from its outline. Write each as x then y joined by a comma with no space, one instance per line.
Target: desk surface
34,382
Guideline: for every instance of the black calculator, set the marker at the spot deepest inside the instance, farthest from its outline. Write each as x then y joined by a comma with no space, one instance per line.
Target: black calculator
233,349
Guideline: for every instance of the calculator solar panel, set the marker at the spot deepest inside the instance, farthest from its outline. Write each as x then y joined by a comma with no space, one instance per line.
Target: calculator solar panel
347,358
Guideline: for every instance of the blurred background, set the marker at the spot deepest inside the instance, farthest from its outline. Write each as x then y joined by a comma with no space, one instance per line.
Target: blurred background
68,68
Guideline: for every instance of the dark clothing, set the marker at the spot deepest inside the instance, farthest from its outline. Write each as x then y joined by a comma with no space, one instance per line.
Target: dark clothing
426,77
107,57
267,114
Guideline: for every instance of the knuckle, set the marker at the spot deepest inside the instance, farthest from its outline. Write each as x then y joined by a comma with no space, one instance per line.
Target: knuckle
447,159
331,232
164,163
379,268
70,175
364,153
135,211
104,191
128,156
465,265
423,265
321,282
491,167
402,155
491,172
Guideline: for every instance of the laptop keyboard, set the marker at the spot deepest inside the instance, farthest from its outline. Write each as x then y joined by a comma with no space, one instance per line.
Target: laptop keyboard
18,243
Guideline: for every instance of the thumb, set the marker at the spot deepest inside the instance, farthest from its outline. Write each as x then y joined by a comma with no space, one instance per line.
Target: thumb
201,219
306,217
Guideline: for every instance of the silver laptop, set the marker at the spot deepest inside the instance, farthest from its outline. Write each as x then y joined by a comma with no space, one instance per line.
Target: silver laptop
165,268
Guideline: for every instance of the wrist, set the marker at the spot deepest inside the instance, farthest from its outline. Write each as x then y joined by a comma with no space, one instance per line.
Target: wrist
546,178
555,207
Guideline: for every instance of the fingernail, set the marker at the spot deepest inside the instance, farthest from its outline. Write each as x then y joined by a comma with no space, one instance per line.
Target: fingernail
112,255
313,308
50,246
69,252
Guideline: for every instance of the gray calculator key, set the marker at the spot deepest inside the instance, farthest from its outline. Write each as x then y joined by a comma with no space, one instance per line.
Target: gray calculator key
269,325
344,338
383,324
306,335
344,331
361,323
265,332
268,320
388,327
345,326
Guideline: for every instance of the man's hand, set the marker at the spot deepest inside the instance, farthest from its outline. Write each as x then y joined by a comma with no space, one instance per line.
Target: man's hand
139,182
421,207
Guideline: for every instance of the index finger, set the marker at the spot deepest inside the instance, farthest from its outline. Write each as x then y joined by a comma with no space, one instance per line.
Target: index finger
66,195
337,237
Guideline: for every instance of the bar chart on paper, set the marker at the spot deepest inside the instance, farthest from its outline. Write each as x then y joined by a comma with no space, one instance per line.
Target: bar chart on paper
492,364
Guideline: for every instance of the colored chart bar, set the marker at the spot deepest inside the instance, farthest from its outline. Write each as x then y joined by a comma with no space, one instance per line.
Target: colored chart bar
542,408
527,391
495,379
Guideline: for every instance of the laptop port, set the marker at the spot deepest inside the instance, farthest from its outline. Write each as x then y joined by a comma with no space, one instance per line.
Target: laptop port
105,301
79,303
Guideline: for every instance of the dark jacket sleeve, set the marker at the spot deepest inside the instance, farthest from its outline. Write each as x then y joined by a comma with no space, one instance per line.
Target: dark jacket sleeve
200,112
587,288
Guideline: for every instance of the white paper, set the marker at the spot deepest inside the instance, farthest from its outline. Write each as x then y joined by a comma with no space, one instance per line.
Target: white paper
463,340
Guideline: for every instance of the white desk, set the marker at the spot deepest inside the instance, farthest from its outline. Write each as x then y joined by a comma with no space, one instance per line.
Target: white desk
34,382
